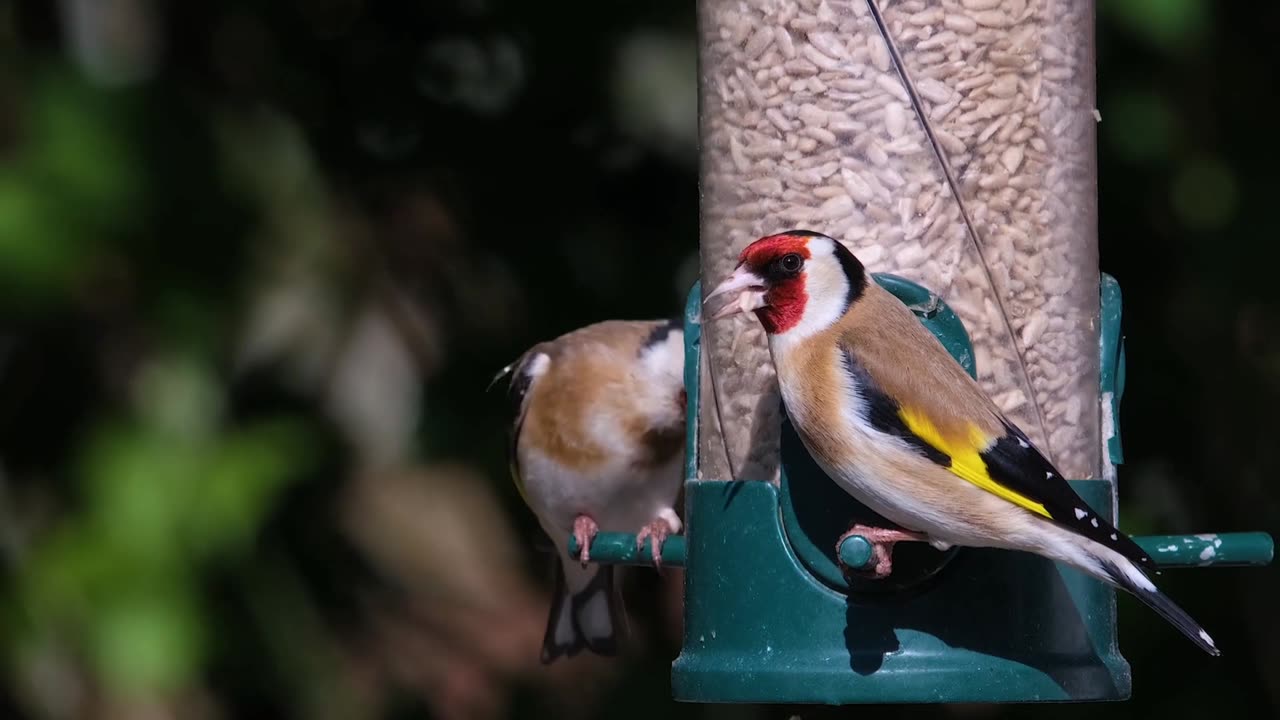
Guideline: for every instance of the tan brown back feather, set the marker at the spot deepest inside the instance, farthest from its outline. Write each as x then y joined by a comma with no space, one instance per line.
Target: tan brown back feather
592,373
911,365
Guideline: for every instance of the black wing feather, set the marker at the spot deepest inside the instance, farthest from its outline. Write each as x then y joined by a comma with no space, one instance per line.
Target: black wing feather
1012,461
660,332
1016,463
884,413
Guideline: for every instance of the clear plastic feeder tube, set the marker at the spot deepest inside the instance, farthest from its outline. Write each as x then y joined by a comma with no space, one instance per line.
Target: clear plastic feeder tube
950,142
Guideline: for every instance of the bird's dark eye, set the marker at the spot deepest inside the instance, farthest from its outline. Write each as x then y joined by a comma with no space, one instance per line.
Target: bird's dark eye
790,262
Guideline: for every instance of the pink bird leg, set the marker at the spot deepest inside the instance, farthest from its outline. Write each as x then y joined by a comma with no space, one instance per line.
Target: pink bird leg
656,533
584,531
882,541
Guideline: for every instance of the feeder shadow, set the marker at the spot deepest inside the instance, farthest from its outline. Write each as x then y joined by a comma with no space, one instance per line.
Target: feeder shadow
998,603
868,642
1003,604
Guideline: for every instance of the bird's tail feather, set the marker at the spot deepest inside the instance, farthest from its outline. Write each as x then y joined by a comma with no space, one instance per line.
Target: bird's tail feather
587,618
1130,577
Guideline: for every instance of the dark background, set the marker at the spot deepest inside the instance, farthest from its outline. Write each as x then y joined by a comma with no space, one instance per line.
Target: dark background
259,261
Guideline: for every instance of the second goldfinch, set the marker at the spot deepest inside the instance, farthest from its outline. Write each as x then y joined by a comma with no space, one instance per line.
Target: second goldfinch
889,415
597,445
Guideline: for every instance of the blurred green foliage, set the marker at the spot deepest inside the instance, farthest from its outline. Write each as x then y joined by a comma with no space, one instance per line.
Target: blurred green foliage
71,181
1172,25
167,493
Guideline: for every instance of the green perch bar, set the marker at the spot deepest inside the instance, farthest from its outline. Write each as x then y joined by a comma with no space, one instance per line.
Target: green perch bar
1246,549
620,549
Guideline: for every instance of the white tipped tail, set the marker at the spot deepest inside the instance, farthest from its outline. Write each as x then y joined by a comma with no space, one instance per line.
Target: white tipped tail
1124,574
1064,544
585,617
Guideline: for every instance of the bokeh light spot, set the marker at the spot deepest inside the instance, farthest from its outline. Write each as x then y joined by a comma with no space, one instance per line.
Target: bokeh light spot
1204,195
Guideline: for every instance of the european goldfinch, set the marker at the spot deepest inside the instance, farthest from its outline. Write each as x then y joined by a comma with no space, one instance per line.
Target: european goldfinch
892,418
597,444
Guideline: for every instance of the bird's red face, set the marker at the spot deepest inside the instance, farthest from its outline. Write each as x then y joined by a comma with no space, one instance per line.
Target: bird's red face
770,279
796,281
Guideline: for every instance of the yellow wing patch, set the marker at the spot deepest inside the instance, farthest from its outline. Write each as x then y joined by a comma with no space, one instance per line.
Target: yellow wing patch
966,463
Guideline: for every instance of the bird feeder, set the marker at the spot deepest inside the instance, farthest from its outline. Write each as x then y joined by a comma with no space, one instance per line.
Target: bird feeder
770,618
950,144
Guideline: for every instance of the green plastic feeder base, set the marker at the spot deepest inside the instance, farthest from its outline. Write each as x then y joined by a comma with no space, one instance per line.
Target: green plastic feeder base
990,626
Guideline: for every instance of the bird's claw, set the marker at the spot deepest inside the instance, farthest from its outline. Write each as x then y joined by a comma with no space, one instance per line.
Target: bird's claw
656,532
882,541
584,531
928,308
883,555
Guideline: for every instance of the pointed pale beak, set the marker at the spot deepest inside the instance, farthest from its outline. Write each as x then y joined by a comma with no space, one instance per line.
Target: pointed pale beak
750,288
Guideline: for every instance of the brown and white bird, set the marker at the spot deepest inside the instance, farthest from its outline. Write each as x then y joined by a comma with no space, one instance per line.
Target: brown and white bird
597,445
891,417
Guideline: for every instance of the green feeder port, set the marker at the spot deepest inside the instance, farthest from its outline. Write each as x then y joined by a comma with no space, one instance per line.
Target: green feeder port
770,618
